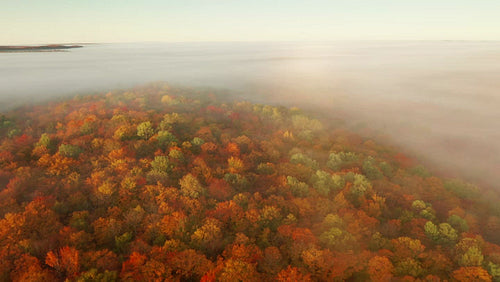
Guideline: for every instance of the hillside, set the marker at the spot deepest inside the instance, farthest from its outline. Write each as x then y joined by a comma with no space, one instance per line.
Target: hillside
163,183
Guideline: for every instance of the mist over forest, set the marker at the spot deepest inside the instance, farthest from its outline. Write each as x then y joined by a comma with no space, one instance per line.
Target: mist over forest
318,161
437,99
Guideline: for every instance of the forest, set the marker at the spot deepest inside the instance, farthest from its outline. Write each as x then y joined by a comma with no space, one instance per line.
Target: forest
163,183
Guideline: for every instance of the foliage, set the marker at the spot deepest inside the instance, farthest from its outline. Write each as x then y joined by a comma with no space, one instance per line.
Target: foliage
145,130
299,158
166,184
444,233
339,160
191,187
370,169
298,188
69,151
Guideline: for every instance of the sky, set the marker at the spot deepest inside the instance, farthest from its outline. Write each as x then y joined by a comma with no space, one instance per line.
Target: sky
65,21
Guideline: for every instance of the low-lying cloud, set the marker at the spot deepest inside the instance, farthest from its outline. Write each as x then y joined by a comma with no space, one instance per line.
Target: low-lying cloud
438,99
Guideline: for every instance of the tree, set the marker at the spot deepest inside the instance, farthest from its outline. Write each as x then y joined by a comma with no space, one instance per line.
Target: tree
69,151
302,159
458,223
472,273
371,170
298,188
174,224
65,261
138,268
380,269
405,247
322,181
237,270
122,242
494,270
28,268
191,187
94,275
145,130
106,230
360,185
235,165
338,239
209,235
45,141
443,234
409,266
272,261
447,233
219,189
339,160
471,257
270,217
190,265
467,252
237,181
165,139
462,189
169,100
160,169
292,274
357,191
424,209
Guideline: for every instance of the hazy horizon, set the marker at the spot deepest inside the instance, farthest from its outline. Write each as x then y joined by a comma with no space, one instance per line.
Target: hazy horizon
254,41
223,20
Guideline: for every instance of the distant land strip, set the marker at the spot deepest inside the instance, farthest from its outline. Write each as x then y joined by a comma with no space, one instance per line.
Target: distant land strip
52,47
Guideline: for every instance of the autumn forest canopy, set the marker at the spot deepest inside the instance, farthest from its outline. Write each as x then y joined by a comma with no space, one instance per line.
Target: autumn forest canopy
162,183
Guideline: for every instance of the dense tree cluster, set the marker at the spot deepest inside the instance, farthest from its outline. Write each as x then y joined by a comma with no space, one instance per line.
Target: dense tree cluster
161,183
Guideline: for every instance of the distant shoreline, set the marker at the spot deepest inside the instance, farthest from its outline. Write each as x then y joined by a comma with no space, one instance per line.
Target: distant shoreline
39,48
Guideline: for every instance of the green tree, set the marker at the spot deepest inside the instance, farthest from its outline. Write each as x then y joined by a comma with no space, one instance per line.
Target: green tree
197,141
425,210
337,161
408,266
191,187
300,158
161,163
371,170
44,140
70,151
338,239
458,223
298,188
420,171
447,233
472,257
165,138
122,242
322,181
386,169
237,181
462,189
145,130
94,275
494,271
265,169
443,234
360,185
160,169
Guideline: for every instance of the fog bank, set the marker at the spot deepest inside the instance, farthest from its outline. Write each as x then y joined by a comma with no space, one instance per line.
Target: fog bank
439,99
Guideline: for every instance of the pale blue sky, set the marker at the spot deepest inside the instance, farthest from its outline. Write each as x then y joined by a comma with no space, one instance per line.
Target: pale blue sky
61,21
